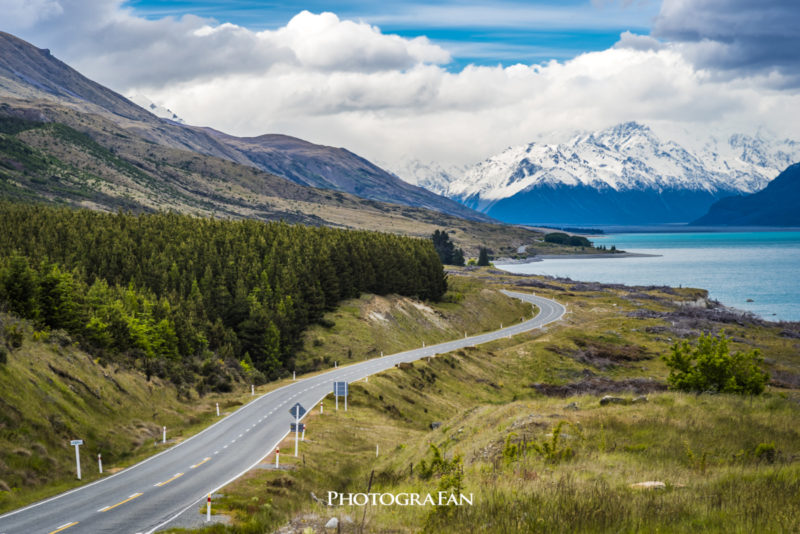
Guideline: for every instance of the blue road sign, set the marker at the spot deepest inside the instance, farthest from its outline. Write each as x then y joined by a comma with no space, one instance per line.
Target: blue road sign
340,389
297,411
293,425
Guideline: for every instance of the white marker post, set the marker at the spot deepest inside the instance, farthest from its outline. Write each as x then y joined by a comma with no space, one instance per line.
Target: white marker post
100,463
217,409
277,458
252,389
164,435
320,408
376,450
423,344
303,437
77,443
296,431
294,376
335,365
381,354
208,508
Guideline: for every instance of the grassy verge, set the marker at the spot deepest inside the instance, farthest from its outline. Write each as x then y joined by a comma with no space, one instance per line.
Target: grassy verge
727,463
53,392
364,328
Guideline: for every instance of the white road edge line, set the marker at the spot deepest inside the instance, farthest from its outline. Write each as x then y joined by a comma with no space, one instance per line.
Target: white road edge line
269,451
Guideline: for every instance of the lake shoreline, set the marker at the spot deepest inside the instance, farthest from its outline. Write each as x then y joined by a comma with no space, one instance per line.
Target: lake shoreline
753,271
542,257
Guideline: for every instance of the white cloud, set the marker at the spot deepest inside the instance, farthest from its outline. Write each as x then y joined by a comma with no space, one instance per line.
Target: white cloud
325,42
26,13
345,83
638,42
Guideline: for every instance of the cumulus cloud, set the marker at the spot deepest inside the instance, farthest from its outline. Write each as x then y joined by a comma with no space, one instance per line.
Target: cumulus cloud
26,13
464,116
745,36
114,46
346,83
638,42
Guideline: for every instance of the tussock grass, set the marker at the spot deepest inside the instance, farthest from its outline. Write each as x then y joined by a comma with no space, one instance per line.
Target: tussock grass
729,463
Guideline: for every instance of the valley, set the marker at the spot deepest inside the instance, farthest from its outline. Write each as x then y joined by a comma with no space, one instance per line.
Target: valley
169,290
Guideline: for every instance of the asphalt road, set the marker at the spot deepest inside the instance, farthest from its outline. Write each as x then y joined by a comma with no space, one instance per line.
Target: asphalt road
150,494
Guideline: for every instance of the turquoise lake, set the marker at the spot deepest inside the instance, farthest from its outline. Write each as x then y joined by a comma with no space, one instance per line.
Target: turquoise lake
734,266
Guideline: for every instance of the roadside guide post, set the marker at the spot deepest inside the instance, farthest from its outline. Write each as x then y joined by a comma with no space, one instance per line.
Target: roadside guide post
297,411
77,443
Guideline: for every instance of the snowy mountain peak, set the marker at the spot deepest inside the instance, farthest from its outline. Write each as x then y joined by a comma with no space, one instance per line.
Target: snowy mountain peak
627,172
628,156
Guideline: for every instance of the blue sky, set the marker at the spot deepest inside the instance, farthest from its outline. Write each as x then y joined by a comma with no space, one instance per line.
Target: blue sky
474,32
443,81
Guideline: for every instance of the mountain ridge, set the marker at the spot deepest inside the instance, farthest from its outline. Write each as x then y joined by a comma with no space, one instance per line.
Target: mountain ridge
29,74
775,205
625,174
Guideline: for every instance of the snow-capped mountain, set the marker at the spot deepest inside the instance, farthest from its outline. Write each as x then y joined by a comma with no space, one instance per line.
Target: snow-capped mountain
155,109
431,175
622,175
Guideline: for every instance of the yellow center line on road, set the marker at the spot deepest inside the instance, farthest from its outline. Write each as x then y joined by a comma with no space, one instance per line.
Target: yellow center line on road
177,475
201,463
107,508
64,527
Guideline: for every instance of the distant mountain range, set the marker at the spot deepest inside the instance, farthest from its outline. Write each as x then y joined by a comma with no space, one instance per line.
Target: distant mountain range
778,204
31,74
621,175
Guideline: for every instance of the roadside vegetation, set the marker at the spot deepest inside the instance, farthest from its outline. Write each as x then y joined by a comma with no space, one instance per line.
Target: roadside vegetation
55,391
572,429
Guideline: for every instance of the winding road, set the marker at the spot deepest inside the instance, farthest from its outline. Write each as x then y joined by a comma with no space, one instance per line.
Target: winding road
149,495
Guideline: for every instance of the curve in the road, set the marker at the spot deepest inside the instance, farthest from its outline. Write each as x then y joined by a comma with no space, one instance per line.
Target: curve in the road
150,494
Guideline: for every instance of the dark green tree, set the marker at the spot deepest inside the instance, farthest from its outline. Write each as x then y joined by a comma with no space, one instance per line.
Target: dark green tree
483,257
458,257
444,247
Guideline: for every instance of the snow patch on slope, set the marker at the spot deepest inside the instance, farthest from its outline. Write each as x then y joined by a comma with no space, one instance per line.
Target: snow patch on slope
155,109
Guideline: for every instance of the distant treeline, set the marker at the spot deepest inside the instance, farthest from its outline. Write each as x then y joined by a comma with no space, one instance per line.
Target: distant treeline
184,297
564,239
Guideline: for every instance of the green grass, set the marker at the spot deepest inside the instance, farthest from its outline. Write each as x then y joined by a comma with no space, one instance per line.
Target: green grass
53,392
363,328
729,463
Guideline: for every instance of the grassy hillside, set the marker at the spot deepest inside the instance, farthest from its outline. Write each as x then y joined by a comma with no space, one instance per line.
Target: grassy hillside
363,328
52,391
727,463
85,160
